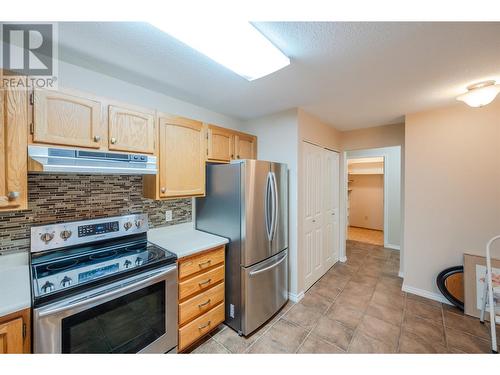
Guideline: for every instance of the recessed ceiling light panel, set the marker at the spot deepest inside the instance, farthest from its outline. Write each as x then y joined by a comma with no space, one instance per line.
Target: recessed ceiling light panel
237,45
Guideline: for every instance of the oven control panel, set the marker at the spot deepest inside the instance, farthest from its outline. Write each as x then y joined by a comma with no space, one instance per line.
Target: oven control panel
50,237
93,229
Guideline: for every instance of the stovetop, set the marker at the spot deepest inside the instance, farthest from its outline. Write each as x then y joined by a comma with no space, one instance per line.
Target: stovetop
68,270
60,271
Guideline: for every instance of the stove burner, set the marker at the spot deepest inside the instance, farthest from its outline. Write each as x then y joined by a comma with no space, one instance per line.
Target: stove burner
62,265
152,255
103,255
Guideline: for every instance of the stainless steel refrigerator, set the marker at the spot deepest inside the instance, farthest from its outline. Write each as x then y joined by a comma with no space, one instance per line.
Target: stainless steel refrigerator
247,202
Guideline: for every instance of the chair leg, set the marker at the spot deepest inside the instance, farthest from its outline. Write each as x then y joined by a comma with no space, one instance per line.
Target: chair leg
493,315
485,298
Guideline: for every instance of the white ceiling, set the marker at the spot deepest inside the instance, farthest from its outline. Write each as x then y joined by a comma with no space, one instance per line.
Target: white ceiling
351,75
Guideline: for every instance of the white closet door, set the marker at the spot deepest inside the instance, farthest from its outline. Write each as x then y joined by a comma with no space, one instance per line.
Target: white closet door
331,208
313,214
320,222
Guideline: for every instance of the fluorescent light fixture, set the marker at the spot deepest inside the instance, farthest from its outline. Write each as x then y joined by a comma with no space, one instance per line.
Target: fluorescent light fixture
237,45
480,94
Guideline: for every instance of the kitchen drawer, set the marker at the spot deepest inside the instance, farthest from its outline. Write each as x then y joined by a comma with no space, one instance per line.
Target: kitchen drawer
201,262
201,303
200,282
200,326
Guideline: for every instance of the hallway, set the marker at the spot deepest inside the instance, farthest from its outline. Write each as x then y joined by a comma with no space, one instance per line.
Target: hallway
358,307
371,236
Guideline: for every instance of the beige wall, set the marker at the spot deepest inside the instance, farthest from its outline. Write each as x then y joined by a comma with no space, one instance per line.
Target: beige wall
314,130
366,201
379,136
452,198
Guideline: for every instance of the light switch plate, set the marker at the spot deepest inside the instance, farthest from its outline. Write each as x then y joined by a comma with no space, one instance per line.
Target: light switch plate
168,215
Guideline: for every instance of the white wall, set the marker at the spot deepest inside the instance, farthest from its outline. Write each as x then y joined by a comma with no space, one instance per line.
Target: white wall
392,190
92,82
366,201
277,141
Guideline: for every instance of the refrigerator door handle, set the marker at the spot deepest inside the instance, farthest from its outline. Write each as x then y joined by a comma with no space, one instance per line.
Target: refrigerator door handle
253,273
266,206
275,206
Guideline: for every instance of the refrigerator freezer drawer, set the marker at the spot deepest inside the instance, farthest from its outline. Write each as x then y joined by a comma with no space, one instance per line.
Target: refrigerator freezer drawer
264,290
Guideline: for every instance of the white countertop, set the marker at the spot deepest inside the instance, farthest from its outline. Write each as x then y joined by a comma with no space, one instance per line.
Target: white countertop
15,286
184,240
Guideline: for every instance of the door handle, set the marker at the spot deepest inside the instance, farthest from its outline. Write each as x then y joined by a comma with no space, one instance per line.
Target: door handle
253,273
275,205
266,206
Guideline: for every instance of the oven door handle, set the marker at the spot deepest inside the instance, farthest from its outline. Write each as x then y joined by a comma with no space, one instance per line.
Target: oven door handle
107,294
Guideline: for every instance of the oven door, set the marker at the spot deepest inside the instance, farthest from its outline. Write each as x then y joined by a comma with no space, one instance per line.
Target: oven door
136,315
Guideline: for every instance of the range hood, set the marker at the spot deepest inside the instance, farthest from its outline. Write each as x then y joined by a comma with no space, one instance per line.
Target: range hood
65,160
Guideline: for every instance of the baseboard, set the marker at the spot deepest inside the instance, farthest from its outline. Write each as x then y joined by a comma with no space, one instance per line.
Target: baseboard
425,293
401,274
295,297
393,247
343,259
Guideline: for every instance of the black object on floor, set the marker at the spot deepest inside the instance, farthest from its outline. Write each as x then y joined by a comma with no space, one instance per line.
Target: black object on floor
451,295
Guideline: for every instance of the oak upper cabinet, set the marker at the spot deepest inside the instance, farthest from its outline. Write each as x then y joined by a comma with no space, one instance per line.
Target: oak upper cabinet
131,130
245,146
181,159
60,118
13,149
220,143
15,337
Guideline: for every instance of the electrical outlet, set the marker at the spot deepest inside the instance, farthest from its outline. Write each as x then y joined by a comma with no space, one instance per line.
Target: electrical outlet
168,215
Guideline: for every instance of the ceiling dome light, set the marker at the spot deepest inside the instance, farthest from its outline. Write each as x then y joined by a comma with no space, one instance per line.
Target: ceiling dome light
480,94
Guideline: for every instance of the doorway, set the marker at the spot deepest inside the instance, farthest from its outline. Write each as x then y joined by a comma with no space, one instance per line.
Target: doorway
365,200
320,214
392,198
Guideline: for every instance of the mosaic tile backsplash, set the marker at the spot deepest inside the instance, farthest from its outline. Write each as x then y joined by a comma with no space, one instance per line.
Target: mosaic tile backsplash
56,198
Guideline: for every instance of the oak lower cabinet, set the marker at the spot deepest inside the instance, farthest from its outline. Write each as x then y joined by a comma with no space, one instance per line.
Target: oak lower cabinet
13,148
61,118
245,146
15,333
201,295
131,130
181,160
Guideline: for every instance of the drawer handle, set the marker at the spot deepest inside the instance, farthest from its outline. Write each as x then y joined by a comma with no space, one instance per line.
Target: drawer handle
203,263
204,303
205,282
205,325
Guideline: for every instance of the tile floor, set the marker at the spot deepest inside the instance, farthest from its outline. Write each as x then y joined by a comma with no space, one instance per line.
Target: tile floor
374,237
358,307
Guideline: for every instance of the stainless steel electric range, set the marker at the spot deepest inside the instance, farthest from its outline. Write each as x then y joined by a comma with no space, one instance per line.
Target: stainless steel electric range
100,287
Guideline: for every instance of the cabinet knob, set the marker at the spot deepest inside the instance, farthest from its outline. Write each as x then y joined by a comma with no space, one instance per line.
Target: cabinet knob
163,190
238,156
97,138
13,195
113,140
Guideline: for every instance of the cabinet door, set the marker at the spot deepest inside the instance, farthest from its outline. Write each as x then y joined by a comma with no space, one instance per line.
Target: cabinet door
64,119
13,149
220,144
245,146
181,157
11,337
131,130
